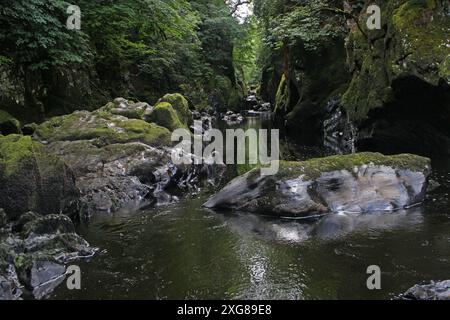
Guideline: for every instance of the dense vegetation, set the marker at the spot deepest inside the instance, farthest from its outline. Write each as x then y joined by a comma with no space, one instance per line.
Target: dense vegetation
300,54
138,49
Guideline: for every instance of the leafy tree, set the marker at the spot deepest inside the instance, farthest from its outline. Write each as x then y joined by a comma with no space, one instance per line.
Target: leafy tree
34,35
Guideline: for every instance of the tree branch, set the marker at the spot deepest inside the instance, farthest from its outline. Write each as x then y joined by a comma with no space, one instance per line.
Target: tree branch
235,6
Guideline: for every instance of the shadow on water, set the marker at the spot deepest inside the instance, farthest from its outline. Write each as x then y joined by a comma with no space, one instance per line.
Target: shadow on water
184,251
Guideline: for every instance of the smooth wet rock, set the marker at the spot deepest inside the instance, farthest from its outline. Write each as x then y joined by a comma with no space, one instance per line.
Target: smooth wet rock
32,179
265,107
433,291
45,277
111,194
360,183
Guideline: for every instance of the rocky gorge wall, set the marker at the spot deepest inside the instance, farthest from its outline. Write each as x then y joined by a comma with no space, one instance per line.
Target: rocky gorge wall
392,83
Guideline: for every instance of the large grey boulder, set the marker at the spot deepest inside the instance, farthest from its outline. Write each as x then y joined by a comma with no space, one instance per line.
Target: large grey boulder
359,183
112,177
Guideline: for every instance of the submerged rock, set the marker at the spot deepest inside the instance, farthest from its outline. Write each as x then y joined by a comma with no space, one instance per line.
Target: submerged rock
32,179
360,183
433,291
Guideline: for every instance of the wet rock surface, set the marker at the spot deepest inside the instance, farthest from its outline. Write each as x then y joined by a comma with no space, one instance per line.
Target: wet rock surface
232,118
339,132
34,252
112,177
433,291
360,183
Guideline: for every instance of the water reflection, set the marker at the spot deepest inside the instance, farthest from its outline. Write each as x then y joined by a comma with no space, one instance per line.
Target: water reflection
329,227
186,252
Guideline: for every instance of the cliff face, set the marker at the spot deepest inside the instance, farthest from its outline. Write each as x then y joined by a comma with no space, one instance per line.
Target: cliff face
399,93
413,42
310,80
393,83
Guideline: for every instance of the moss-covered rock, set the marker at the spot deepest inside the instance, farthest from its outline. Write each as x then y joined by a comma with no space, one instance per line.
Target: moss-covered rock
180,105
424,27
34,180
8,124
165,115
103,126
413,43
360,183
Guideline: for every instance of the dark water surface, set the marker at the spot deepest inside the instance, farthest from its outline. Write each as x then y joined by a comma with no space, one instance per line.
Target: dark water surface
186,252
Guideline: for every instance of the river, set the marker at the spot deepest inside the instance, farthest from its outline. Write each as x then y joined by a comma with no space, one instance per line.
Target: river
184,251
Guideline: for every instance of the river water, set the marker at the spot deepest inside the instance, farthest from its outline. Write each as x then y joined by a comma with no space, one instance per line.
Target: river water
183,251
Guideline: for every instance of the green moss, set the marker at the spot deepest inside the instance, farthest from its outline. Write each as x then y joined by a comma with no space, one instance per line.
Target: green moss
103,126
165,115
367,91
413,42
22,261
15,150
180,105
18,152
425,28
313,168
139,130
